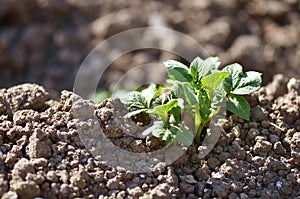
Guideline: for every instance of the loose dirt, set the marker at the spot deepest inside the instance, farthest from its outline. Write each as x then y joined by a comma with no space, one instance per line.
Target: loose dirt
41,153
46,41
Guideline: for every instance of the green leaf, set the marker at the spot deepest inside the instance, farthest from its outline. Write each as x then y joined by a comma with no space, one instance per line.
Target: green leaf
209,66
130,114
150,93
213,80
178,71
219,97
198,119
212,62
183,135
235,71
239,106
134,99
249,82
200,68
167,136
163,110
195,67
203,105
185,91
176,113
156,129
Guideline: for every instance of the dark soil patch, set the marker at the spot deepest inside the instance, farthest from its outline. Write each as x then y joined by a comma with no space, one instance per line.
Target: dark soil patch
261,35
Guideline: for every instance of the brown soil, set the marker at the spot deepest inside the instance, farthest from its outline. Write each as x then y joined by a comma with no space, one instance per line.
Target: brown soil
41,154
45,41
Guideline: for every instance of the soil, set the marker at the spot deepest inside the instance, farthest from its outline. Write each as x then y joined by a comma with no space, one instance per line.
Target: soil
42,156
41,152
45,41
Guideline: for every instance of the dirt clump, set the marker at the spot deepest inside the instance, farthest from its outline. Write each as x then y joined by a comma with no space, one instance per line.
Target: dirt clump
42,153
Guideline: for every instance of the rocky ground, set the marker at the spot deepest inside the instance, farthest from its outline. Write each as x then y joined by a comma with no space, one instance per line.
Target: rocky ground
42,156
45,41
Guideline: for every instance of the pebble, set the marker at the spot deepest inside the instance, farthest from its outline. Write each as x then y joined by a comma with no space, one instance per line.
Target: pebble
10,195
252,133
262,147
279,149
274,138
135,192
188,179
217,175
243,196
213,163
221,190
258,113
112,183
186,187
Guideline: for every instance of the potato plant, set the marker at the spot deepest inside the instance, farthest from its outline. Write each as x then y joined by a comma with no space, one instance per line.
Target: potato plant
198,89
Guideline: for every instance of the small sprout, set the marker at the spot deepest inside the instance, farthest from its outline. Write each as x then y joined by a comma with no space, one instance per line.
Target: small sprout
198,89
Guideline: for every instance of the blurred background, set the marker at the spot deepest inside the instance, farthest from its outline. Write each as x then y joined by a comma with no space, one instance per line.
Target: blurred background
45,41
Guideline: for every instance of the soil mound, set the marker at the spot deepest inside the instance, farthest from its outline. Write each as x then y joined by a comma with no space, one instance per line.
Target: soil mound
41,153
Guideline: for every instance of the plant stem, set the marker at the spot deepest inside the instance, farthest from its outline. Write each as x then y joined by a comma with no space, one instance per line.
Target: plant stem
198,134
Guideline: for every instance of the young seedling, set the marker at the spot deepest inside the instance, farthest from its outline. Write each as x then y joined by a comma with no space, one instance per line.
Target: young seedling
198,89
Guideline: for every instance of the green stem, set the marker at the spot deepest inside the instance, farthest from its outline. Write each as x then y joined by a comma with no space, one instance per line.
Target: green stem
198,134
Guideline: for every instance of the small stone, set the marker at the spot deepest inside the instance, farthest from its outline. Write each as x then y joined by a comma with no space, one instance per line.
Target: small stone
39,145
233,195
260,138
221,191
259,161
26,189
274,138
10,195
223,156
263,100
137,146
188,179
51,176
295,148
37,178
40,162
237,187
22,168
79,179
160,191
258,113
64,190
274,165
265,124
252,133
213,163
243,196
253,125
217,175
135,192
279,149
186,188
262,147
202,174
112,183
153,142
24,116
200,189
293,84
